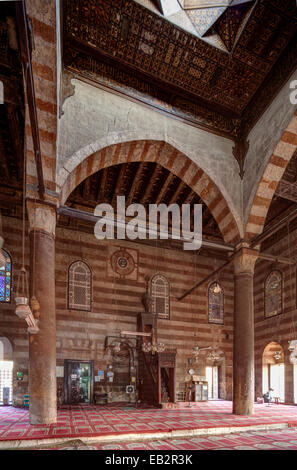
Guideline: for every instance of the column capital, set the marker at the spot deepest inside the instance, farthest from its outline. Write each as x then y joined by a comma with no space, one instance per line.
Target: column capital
244,260
42,217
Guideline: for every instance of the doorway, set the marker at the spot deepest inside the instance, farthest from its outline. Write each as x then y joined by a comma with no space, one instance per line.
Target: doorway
277,380
212,377
273,370
6,368
78,381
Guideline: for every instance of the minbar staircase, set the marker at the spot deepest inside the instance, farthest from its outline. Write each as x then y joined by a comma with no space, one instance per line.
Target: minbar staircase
156,371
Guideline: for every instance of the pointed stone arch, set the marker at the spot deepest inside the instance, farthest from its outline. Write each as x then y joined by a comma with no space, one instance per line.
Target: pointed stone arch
269,182
170,158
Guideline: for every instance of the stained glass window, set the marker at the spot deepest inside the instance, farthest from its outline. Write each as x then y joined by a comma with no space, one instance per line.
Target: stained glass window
159,292
79,286
215,304
5,279
273,294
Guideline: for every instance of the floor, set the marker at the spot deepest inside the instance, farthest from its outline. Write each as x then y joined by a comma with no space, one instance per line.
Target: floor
254,440
90,421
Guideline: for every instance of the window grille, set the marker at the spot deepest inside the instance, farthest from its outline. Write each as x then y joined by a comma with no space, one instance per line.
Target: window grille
160,295
5,279
79,286
215,304
273,294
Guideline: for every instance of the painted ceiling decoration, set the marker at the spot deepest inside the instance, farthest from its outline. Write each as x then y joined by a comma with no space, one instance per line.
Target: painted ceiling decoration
140,48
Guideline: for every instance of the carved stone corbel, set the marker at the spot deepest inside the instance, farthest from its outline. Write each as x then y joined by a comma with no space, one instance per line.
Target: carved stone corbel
240,150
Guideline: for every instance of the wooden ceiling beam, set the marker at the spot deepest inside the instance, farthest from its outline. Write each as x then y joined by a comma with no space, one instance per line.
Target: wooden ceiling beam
86,189
273,228
119,183
157,170
165,187
287,190
102,185
135,185
177,192
190,198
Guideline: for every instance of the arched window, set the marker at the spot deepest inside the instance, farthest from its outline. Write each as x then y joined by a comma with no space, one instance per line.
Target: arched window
5,279
160,295
273,294
79,286
215,304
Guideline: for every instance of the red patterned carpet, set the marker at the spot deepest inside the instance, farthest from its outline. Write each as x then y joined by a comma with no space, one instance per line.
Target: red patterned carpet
90,421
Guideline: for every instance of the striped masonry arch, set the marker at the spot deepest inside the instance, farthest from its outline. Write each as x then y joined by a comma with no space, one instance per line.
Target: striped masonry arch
170,158
272,175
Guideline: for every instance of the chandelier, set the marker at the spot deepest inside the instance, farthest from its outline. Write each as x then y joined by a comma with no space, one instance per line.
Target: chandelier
153,347
213,356
277,355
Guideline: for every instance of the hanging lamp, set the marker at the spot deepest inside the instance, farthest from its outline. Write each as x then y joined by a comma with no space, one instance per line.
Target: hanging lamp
214,355
23,309
22,295
277,355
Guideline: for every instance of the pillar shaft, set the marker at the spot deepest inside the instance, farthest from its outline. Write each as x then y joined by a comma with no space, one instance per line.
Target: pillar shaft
243,351
42,346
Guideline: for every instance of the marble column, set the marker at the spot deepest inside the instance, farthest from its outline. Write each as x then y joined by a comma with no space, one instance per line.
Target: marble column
243,351
42,346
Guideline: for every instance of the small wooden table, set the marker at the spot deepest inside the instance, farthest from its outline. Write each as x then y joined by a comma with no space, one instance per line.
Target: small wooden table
277,400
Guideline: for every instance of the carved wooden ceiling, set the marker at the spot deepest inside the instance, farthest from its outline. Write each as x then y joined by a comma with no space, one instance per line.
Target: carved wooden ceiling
128,48
12,111
145,183
220,22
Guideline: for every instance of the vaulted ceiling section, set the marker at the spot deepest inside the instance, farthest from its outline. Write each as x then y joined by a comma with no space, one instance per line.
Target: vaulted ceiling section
121,45
145,183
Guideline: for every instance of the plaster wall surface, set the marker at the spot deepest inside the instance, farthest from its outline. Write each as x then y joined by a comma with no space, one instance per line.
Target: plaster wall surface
94,118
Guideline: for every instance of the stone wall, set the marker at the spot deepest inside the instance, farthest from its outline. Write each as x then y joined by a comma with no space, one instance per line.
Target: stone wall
281,328
11,326
116,303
